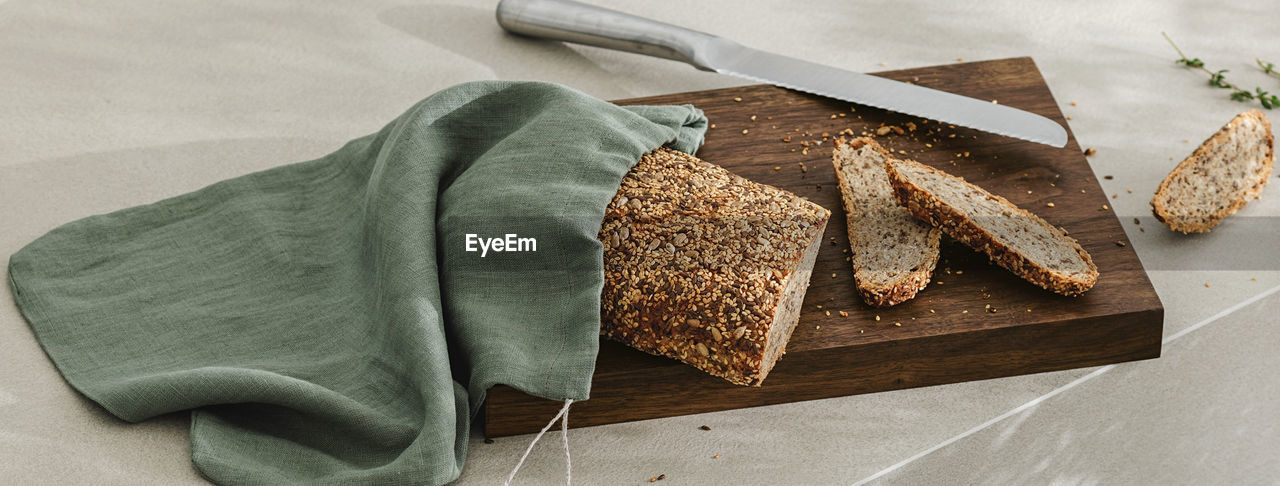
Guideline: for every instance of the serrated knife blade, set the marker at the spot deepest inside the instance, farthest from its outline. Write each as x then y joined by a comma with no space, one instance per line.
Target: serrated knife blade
571,21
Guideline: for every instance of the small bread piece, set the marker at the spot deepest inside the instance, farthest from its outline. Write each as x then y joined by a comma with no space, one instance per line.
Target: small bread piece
1219,178
705,266
893,252
1013,238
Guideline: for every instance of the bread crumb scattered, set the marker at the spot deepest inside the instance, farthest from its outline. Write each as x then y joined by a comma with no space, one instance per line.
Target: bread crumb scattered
1049,204
1090,151
737,99
1206,284
705,427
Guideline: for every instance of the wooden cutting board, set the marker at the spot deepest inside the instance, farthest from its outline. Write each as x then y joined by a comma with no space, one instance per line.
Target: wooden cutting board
947,333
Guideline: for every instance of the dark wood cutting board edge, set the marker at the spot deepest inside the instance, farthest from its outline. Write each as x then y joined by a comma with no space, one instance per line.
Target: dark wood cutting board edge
947,334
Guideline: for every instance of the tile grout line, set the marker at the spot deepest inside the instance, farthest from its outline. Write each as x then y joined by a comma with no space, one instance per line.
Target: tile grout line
1040,399
1221,314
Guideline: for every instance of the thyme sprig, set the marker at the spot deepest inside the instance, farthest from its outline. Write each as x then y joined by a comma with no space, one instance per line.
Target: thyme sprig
1268,67
1218,78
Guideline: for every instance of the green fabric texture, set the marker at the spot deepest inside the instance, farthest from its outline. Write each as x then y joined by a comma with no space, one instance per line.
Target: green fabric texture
322,319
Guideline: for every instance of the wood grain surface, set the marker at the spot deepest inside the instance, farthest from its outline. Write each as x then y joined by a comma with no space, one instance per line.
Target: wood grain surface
947,333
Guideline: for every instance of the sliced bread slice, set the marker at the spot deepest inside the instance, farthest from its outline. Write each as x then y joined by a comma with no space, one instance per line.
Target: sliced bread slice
893,252
1219,178
1013,238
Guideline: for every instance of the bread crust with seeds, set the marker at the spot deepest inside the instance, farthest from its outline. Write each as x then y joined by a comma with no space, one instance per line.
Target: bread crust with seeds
705,266
893,253
1192,199
953,221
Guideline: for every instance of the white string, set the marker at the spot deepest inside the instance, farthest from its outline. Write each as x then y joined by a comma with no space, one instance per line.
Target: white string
564,432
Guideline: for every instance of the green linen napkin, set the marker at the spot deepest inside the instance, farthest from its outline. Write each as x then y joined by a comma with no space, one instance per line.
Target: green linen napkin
323,320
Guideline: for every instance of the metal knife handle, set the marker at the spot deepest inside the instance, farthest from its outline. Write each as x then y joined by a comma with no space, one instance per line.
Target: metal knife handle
570,21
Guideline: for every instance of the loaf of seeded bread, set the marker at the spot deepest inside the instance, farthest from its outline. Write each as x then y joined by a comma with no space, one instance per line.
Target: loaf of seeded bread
706,267
893,252
1220,177
1013,238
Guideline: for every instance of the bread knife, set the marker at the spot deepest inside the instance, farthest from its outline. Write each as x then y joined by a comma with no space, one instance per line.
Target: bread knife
570,21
